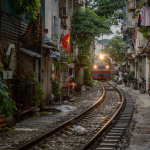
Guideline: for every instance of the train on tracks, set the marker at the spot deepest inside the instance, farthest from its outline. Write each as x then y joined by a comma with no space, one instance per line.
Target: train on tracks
101,68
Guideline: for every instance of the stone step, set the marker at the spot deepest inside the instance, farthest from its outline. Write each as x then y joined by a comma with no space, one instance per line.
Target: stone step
116,131
104,148
115,134
112,137
111,141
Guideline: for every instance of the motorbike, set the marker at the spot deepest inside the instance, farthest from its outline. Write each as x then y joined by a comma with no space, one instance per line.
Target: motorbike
120,80
128,83
142,88
135,84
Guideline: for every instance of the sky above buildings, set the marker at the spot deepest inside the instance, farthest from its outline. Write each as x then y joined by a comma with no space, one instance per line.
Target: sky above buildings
114,29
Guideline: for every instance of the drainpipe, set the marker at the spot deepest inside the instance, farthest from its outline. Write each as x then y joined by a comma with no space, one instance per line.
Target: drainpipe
84,4
135,70
147,72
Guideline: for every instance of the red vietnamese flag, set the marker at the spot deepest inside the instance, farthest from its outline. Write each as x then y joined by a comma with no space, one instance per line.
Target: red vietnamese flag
66,42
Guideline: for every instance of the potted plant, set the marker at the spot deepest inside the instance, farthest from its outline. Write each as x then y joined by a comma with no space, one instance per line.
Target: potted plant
130,76
30,87
56,90
7,105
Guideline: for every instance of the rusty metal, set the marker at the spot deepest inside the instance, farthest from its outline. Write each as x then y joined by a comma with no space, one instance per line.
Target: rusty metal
10,26
49,133
105,127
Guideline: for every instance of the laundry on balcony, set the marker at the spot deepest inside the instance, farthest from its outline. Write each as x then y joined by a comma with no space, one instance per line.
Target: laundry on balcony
55,55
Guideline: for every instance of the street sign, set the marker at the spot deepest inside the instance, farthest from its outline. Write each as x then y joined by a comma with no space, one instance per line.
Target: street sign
8,75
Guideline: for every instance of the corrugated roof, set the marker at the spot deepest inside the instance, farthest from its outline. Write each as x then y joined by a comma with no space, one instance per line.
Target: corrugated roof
30,53
46,39
10,26
51,47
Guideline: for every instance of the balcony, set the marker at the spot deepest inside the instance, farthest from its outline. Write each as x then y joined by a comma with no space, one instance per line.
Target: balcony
131,5
131,22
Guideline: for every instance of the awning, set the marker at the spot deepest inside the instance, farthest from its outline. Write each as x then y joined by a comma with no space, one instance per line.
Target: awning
70,65
50,47
30,53
46,39
55,55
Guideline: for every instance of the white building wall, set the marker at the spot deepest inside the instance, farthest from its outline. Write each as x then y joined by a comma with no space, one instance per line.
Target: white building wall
51,11
98,48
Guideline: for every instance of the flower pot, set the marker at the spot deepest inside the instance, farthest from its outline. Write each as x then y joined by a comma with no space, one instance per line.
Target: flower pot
8,120
2,119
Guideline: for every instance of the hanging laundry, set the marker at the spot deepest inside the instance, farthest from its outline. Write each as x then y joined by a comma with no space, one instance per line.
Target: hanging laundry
124,38
55,55
145,16
139,21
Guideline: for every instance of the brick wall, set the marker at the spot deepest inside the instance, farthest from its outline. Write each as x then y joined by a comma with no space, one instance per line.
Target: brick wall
34,35
27,63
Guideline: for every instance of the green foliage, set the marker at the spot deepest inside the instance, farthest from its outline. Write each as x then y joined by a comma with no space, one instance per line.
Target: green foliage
116,49
112,78
88,75
7,105
85,26
56,88
29,8
6,61
37,94
144,31
1,68
30,84
109,8
130,76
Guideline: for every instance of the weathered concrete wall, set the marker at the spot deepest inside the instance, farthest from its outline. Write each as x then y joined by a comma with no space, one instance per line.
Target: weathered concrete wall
132,65
51,11
46,74
80,77
144,67
98,48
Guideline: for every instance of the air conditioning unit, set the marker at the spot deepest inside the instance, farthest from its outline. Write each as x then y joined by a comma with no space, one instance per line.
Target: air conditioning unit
64,11
57,29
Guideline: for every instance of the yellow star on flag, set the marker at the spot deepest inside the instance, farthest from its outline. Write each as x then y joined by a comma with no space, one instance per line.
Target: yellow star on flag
68,40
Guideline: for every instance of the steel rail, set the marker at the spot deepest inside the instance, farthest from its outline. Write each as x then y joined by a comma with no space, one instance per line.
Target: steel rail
105,127
40,138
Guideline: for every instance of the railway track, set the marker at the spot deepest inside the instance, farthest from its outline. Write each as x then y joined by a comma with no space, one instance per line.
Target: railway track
101,121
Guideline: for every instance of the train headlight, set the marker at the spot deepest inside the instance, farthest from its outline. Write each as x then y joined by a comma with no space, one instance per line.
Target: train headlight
107,66
95,66
101,57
